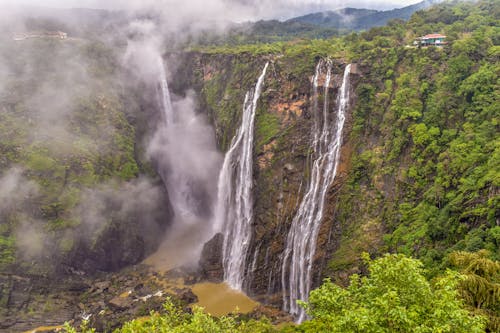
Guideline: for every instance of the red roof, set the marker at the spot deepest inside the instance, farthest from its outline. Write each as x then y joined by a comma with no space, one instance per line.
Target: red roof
433,36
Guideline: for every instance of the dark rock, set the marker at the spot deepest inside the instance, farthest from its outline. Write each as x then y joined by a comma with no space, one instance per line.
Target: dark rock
19,293
187,296
103,285
121,303
78,286
211,268
128,237
141,290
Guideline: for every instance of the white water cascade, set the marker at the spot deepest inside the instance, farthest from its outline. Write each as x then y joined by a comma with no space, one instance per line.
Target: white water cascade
168,111
301,240
234,211
186,155
179,181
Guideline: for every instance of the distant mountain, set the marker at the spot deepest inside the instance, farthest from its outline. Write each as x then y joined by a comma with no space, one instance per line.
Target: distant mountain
358,19
316,25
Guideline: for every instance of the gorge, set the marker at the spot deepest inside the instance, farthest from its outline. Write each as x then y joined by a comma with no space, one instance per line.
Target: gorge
143,172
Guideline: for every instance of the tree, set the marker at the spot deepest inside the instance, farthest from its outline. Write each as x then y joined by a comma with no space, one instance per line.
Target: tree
394,297
175,320
481,286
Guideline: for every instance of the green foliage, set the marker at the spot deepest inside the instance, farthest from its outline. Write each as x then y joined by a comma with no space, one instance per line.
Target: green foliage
175,320
84,328
481,286
394,297
7,251
63,142
426,129
267,127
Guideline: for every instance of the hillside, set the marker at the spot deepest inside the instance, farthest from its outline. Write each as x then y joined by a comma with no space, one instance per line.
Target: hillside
316,26
359,19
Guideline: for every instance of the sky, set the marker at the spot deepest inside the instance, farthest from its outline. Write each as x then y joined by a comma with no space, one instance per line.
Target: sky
259,8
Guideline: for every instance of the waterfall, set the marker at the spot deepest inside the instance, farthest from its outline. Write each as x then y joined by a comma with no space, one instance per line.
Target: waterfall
234,211
186,155
179,181
168,111
301,241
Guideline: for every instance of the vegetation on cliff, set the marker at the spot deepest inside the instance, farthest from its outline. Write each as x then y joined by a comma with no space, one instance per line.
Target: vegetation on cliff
425,131
67,143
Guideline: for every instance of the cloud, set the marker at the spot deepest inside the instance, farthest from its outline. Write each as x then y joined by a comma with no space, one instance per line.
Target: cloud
32,241
187,156
15,190
17,194
221,10
135,202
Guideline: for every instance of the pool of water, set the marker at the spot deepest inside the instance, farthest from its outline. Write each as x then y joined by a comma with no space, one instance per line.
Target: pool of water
219,299
44,329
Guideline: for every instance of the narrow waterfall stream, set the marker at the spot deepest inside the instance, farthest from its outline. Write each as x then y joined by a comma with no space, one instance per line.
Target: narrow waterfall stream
234,211
168,111
301,241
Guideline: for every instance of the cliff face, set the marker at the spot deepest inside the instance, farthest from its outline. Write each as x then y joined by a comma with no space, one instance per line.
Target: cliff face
418,159
72,165
282,151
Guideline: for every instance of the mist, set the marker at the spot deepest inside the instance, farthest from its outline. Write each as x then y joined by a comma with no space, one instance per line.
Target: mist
184,149
15,190
17,197
216,10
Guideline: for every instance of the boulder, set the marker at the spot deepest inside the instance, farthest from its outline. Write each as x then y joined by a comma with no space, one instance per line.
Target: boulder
120,303
211,268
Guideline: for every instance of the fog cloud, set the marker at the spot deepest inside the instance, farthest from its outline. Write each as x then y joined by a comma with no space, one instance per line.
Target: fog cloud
223,9
18,212
137,200
15,190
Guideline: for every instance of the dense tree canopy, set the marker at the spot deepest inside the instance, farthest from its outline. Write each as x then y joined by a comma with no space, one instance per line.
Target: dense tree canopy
481,286
394,297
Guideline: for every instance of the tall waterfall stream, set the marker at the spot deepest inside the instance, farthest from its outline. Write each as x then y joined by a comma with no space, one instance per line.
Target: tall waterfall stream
301,241
234,212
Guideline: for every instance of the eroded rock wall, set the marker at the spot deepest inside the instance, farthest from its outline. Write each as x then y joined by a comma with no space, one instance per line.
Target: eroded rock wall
282,151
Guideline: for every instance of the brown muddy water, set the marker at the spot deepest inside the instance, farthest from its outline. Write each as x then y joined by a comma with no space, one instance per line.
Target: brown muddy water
219,299
44,329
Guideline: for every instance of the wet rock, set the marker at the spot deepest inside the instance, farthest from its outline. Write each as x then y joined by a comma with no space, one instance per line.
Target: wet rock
19,293
103,285
141,290
187,296
120,303
78,286
275,315
127,238
211,268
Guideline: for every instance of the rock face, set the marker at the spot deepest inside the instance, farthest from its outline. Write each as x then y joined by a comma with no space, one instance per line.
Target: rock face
283,128
128,237
106,300
211,260
19,294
